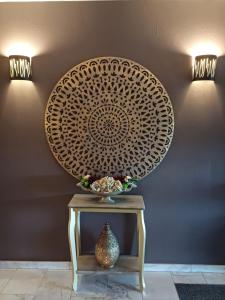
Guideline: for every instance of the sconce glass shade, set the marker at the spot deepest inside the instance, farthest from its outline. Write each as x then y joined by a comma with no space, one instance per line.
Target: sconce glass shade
204,67
20,67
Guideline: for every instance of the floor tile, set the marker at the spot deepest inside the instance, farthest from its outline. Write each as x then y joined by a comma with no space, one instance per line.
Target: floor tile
16,297
91,285
123,286
214,278
128,280
5,275
55,285
77,297
159,286
86,298
194,278
24,282
51,296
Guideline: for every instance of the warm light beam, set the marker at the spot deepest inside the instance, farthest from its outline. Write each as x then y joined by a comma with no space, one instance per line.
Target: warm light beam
19,49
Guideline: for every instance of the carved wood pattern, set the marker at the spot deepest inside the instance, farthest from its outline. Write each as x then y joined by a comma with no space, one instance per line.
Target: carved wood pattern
109,116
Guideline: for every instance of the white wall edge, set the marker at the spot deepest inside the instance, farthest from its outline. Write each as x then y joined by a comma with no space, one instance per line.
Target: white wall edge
52,265
184,268
66,265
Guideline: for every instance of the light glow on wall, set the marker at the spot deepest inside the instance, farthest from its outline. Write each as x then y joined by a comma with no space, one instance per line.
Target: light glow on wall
19,48
205,48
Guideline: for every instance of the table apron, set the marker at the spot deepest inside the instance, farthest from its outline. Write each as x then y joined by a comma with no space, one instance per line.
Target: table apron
108,210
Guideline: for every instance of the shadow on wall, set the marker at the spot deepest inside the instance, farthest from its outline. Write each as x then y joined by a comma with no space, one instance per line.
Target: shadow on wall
4,70
219,81
4,79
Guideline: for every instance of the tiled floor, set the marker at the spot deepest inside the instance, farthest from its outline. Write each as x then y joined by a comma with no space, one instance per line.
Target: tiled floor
56,285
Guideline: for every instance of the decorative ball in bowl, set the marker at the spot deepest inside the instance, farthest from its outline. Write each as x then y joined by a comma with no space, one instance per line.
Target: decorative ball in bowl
107,187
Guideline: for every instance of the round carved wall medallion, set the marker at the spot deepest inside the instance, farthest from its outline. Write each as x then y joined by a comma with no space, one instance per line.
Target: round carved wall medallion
109,116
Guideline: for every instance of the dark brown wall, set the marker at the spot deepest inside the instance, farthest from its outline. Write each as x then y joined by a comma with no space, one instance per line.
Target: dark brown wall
184,196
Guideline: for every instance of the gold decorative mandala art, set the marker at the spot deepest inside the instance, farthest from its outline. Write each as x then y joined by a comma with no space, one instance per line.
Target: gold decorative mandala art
109,116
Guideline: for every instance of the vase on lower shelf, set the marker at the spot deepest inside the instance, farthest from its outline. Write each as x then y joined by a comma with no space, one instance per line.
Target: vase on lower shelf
107,248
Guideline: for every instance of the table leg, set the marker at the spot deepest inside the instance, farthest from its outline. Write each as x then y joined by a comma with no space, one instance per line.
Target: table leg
141,247
77,231
71,231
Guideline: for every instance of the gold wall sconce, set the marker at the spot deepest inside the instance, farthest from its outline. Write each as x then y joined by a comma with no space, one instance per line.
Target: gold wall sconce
204,67
20,67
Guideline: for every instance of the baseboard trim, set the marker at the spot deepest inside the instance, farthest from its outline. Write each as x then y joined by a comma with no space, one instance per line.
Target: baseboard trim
66,265
52,265
184,268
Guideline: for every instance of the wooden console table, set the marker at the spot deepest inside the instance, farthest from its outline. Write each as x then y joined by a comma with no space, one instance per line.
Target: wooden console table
86,263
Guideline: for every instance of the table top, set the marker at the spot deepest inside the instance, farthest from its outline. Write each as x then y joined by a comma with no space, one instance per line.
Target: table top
121,202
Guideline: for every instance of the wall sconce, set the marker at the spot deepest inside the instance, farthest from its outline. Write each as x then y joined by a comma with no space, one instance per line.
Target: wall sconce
204,67
20,67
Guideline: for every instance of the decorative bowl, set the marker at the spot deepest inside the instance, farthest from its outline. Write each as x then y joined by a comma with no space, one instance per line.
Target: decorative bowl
105,197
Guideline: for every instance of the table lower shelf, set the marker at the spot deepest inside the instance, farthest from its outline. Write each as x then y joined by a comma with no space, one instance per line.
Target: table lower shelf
87,263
